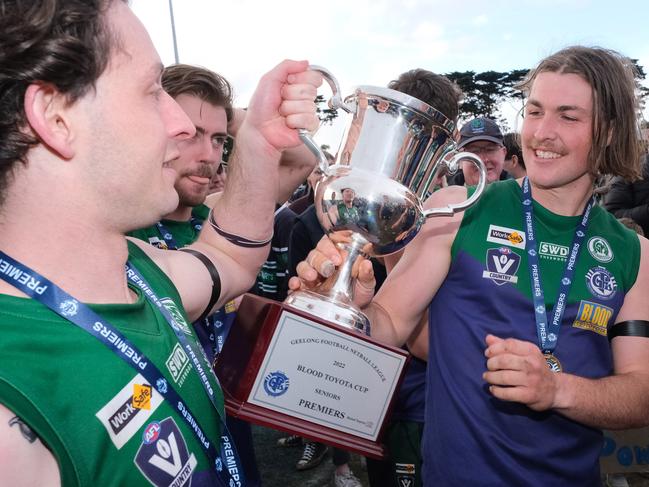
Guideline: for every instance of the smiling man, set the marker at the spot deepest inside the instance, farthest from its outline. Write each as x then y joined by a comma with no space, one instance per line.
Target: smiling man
102,381
537,299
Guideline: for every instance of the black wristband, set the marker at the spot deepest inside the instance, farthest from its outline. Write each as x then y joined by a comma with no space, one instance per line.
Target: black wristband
631,328
238,239
216,280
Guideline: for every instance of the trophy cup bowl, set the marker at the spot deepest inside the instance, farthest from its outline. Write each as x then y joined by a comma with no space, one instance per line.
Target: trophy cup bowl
370,201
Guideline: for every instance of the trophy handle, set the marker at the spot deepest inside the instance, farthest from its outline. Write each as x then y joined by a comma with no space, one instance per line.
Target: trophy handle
450,210
335,102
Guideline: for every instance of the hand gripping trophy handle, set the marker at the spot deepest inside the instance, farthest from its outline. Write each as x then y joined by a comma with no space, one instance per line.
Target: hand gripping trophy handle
335,102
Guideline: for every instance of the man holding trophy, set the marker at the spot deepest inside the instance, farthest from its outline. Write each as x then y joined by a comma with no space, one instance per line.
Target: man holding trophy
531,352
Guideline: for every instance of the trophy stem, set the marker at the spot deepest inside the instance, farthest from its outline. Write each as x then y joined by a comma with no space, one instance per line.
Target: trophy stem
342,288
336,304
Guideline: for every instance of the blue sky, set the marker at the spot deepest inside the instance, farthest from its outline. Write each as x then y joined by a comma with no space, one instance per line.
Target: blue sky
372,41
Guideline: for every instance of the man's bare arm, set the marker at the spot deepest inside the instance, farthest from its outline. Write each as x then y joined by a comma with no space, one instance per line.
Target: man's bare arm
24,460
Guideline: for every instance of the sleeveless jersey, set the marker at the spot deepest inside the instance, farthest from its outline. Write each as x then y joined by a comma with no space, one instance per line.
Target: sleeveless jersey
472,438
184,233
103,422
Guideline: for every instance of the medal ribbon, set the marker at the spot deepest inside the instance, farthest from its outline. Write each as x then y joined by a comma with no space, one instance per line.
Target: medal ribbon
56,299
547,330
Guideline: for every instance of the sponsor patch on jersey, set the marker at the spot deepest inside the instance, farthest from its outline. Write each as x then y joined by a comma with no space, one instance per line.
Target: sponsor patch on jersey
156,242
502,265
506,236
121,419
593,317
142,396
600,249
551,251
178,364
601,283
163,457
231,306
176,315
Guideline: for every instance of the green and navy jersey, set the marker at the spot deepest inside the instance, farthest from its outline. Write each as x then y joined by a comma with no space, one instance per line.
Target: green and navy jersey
184,232
105,425
488,291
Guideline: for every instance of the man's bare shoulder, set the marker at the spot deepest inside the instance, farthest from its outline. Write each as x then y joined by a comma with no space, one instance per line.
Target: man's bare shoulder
25,460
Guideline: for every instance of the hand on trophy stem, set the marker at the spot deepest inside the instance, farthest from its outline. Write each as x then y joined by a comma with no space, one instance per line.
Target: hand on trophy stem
321,264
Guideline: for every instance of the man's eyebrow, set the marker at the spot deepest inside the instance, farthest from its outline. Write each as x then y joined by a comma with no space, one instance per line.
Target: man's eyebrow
561,108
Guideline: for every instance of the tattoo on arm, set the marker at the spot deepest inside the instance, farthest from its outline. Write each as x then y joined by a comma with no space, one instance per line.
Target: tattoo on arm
25,430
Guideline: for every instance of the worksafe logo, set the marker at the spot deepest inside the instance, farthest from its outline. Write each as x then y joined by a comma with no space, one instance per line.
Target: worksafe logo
593,317
551,251
121,417
502,265
506,236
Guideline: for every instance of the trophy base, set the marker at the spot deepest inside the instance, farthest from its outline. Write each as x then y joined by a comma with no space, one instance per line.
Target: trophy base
343,314
278,369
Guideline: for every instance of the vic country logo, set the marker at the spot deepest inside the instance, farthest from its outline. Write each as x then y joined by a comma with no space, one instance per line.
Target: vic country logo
276,383
601,283
552,251
163,457
593,317
502,265
506,236
600,249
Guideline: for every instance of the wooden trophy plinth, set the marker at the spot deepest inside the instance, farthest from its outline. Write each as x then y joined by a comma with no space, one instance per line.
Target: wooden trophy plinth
286,369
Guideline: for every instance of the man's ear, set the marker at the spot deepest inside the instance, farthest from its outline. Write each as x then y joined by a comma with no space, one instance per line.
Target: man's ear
514,160
46,112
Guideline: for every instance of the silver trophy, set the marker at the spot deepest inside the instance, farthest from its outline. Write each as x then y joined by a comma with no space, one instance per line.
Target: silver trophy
370,201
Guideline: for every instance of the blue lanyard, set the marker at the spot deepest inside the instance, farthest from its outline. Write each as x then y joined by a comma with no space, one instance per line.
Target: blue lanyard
168,236
547,331
56,299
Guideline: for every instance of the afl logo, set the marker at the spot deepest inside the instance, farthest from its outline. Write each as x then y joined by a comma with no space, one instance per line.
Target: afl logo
151,433
601,283
600,249
276,383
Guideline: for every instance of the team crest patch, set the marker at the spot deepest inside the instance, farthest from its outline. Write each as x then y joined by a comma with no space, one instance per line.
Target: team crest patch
163,457
593,317
177,316
600,249
121,418
601,283
502,265
551,251
506,236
